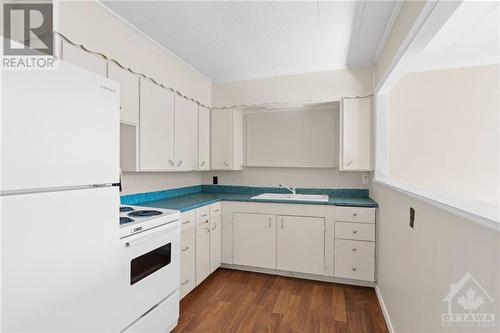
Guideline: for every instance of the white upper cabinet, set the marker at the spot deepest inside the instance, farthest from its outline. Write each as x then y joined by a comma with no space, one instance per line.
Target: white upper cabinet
156,123
76,56
300,243
186,134
129,92
203,138
227,139
355,136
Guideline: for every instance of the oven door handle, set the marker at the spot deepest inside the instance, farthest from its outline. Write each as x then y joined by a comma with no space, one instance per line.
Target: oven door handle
152,235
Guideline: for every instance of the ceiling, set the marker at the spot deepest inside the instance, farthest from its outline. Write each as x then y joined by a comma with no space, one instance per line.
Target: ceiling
471,36
247,39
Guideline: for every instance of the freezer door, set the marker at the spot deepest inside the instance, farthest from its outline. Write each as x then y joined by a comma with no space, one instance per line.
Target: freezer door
62,262
60,128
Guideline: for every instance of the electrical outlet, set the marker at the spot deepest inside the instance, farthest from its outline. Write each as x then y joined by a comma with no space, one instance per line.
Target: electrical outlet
215,180
412,217
365,179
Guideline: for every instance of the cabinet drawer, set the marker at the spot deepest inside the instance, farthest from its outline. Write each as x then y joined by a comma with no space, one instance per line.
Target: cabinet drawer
354,260
188,278
202,215
187,245
354,249
215,209
357,231
355,214
188,220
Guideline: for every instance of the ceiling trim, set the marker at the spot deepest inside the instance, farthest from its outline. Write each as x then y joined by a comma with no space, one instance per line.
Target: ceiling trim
268,75
142,33
387,31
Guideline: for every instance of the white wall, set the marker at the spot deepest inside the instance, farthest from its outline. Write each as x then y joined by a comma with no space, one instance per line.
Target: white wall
326,86
416,266
298,177
90,24
444,134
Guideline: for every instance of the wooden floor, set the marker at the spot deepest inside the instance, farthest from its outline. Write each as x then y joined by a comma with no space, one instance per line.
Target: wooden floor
236,301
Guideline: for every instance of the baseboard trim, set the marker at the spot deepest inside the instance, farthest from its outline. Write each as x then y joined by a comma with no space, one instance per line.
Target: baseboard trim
388,322
300,275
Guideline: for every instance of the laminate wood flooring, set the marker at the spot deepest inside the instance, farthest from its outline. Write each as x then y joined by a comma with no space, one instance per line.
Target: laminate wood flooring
236,301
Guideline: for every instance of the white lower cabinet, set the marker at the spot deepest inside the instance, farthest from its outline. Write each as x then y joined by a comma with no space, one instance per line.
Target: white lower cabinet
354,259
300,238
300,243
355,243
200,245
188,253
215,237
202,249
255,240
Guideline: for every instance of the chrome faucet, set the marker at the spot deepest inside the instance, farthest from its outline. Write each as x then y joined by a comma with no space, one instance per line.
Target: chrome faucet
289,188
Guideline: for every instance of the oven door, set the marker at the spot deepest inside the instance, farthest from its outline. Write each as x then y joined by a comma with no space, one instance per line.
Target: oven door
153,261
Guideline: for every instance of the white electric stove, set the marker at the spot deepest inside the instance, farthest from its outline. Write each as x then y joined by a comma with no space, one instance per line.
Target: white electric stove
137,219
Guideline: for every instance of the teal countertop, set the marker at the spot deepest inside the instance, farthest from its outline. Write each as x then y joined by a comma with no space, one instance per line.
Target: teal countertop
191,201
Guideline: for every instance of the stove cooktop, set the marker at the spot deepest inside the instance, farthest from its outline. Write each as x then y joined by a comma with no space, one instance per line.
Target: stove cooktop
134,219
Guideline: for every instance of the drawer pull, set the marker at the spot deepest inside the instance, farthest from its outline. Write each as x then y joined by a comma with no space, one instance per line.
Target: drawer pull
204,215
185,282
354,249
185,249
354,269
186,222
354,231
215,227
216,210
207,230
355,214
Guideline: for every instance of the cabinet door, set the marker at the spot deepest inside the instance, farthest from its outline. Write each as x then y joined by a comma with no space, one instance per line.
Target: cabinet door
78,57
156,128
129,92
215,242
203,138
355,122
186,134
301,244
222,139
255,240
202,250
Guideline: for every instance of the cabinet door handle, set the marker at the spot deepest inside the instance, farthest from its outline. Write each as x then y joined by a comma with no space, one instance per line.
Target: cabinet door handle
349,163
354,231
185,282
202,163
215,227
226,164
269,222
282,227
185,249
207,230
354,249
204,215
186,222
354,269
355,214
217,210
170,162
179,163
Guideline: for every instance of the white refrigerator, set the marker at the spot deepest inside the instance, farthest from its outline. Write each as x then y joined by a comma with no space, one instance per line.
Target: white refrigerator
60,250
